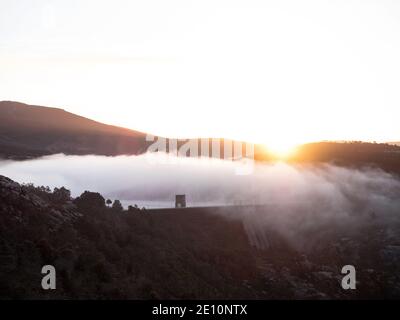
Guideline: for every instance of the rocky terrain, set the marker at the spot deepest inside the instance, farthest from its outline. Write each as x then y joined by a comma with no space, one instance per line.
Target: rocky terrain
105,252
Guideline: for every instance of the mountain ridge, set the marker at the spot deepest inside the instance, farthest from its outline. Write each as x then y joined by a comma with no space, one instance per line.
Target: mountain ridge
28,131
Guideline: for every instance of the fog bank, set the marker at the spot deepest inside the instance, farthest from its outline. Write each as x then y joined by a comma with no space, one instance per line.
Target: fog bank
304,203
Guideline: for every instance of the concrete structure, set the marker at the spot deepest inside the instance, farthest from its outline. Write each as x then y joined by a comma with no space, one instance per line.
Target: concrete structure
180,201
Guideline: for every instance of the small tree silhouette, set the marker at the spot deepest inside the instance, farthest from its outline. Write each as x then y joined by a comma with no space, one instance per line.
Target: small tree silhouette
61,195
117,206
90,200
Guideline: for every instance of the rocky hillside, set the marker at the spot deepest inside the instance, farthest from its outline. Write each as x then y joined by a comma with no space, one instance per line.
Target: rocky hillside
102,252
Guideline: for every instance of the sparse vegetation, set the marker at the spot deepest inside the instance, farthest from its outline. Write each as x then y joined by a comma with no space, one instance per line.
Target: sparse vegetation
103,253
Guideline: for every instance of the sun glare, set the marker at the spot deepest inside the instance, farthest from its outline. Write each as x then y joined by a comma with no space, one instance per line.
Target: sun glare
281,149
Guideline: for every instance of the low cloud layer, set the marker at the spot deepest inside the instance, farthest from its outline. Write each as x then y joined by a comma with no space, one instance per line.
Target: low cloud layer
295,199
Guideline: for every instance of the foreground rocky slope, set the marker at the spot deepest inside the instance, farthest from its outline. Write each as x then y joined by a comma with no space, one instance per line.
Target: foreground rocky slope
103,252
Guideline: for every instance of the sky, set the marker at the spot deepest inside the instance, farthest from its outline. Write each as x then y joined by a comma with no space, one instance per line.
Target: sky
273,72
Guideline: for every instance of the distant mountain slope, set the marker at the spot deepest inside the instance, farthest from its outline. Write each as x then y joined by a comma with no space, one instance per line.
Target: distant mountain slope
31,131
351,154
348,154
28,131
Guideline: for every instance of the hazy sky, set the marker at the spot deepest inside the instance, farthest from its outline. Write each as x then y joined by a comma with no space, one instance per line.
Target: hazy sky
279,72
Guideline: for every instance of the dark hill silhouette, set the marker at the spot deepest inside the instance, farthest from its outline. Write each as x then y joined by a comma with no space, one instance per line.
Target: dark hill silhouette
28,131
102,252
351,154
31,131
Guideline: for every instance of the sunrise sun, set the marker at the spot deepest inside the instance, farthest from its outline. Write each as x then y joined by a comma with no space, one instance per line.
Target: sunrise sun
281,149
